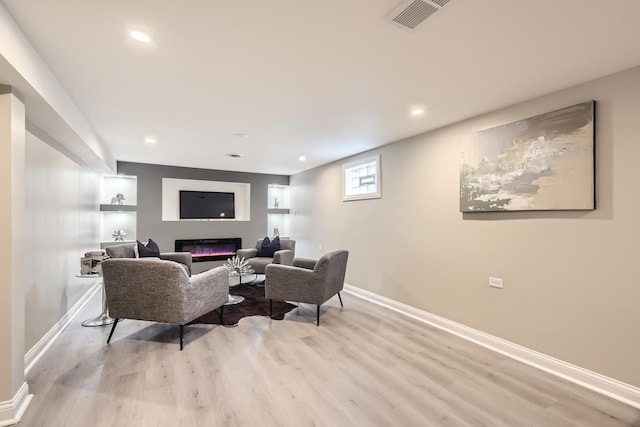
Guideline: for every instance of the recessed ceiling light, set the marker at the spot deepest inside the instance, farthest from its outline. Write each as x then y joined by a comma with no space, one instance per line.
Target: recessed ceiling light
150,140
234,155
417,111
302,158
140,36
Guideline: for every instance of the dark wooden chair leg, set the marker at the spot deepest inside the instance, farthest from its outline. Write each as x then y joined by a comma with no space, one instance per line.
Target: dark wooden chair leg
340,298
270,309
318,316
181,337
113,328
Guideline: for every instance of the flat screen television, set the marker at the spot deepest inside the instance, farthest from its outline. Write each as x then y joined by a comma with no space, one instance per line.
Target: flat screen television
207,205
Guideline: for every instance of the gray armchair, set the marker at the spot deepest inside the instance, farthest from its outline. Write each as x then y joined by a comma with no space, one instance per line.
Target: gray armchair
127,251
284,256
161,291
307,281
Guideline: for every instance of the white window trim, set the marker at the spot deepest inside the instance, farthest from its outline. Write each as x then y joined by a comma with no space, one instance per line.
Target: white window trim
359,162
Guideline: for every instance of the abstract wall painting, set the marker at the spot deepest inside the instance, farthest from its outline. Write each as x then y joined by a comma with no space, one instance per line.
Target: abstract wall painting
544,162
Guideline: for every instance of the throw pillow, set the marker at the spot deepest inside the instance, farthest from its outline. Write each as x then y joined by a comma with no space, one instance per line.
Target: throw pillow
151,249
268,248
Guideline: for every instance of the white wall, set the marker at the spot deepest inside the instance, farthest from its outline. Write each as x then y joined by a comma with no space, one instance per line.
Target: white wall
12,164
571,285
62,224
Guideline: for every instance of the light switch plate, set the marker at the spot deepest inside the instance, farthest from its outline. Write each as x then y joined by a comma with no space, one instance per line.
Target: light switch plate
496,282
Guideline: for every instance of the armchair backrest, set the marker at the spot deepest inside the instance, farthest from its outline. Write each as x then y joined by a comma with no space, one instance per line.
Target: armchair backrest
284,244
288,244
145,289
121,251
331,269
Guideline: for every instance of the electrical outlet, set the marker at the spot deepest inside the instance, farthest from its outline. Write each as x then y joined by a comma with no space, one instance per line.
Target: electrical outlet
320,247
496,282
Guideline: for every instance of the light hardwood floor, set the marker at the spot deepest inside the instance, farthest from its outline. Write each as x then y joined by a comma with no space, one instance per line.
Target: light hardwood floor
364,366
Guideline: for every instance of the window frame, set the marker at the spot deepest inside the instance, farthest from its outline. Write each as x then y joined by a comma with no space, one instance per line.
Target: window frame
354,164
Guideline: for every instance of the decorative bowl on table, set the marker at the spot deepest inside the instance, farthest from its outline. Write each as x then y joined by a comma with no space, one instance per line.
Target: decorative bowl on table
237,266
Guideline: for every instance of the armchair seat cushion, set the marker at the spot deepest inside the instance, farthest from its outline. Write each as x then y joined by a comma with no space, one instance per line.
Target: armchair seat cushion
260,263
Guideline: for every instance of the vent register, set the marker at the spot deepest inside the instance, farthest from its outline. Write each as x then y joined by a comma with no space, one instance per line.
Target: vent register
412,13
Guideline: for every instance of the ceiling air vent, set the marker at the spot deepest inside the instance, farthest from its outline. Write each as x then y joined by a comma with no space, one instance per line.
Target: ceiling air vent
412,13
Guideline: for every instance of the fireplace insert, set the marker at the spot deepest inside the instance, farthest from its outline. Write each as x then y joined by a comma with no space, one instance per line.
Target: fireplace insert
209,249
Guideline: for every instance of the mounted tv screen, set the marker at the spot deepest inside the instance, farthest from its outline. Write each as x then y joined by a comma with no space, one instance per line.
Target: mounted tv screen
207,205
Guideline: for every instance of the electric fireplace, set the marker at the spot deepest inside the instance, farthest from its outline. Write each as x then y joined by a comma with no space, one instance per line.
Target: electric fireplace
209,249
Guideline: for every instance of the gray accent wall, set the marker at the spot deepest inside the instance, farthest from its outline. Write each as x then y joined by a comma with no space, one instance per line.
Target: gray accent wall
571,288
149,209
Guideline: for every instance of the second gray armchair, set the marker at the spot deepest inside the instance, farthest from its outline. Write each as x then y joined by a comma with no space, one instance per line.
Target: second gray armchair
127,250
307,281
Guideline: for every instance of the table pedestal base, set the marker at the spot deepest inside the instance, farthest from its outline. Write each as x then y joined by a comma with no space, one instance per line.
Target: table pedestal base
234,299
237,299
101,320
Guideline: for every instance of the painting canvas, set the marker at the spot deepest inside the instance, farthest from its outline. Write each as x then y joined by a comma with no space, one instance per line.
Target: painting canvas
544,162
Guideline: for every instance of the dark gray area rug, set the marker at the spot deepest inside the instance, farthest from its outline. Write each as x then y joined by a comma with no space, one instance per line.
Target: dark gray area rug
254,304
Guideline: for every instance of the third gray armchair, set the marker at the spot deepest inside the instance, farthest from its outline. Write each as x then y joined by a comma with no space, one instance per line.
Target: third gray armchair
307,281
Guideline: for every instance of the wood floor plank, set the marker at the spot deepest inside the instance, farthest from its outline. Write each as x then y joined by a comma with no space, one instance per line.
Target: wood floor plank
363,366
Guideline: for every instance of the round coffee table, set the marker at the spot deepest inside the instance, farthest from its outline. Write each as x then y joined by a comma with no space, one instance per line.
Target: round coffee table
237,299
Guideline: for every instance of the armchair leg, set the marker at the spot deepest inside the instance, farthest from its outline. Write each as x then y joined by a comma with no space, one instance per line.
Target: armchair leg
270,308
181,337
318,316
340,298
113,328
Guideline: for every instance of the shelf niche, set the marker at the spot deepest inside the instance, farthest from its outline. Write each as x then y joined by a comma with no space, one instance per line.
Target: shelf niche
278,216
114,216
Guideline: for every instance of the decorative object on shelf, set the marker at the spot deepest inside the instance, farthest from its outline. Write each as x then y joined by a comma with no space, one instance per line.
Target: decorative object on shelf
544,162
91,262
118,200
276,203
119,235
276,232
237,266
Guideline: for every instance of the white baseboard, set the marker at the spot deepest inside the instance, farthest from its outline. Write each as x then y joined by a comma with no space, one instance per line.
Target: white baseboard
45,342
11,411
592,380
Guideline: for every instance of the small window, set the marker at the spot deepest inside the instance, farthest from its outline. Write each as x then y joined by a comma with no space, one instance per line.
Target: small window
361,179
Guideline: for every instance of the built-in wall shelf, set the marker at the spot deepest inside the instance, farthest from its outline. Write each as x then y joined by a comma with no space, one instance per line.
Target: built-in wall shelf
117,208
278,210
118,217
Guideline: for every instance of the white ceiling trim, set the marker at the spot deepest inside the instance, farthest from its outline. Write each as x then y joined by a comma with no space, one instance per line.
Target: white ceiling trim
44,97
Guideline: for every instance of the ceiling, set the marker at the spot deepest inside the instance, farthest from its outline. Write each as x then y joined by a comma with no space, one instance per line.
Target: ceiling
274,80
